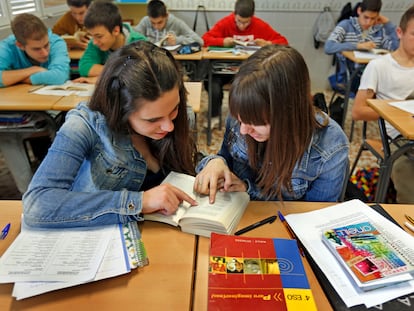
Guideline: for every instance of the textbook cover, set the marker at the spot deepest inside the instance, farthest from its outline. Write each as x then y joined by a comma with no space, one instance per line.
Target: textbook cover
365,252
257,274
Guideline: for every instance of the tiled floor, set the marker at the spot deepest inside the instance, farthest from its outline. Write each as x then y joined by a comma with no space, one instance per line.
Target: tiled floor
8,189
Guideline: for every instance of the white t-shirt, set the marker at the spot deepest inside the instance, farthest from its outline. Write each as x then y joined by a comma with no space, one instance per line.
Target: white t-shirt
389,80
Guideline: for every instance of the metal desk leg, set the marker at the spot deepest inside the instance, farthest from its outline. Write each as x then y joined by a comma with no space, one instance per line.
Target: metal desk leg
210,102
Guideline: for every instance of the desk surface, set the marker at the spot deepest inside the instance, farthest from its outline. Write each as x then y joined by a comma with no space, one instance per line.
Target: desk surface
260,210
18,97
402,120
165,284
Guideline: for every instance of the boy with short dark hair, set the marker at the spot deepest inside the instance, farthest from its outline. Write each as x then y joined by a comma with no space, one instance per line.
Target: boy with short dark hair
159,24
71,23
390,77
367,31
241,25
104,24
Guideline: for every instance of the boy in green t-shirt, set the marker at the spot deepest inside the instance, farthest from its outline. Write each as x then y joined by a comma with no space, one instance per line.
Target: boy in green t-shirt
104,24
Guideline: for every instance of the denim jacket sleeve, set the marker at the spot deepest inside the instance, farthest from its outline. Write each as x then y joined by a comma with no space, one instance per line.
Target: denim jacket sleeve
53,199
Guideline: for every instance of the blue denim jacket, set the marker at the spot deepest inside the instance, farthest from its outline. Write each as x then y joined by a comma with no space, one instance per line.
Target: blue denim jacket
319,176
89,176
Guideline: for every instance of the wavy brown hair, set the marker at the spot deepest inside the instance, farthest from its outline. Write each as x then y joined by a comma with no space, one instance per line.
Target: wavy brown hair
142,70
273,87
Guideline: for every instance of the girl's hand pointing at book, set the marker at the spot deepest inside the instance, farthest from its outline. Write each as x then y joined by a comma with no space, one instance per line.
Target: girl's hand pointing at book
165,199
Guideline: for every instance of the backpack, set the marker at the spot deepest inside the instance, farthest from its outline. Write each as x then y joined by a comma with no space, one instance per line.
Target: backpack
323,27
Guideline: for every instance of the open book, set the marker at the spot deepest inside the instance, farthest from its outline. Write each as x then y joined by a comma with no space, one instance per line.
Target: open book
221,217
69,88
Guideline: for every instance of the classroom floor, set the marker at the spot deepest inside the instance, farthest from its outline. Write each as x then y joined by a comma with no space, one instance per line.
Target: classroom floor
9,191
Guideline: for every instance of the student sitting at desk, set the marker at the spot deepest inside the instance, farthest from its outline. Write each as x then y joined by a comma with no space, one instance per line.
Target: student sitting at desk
109,157
162,26
71,23
367,31
391,77
104,23
32,55
242,25
276,145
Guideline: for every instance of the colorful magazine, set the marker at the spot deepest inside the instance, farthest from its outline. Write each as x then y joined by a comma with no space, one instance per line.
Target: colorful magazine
365,252
257,274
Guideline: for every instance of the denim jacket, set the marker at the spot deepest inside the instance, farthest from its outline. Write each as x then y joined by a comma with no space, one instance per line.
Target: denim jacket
319,175
89,176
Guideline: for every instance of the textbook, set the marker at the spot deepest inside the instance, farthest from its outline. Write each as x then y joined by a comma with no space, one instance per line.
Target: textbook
222,217
257,274
308,228
366,254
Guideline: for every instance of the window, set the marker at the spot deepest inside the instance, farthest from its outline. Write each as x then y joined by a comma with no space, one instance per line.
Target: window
41,8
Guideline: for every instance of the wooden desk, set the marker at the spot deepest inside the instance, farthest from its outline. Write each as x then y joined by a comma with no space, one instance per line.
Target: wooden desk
165,284
214,58
18,98
404,123
260,210
75,54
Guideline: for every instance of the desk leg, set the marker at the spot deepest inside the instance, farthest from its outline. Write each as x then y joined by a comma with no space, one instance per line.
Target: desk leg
12,148
210,102
387,164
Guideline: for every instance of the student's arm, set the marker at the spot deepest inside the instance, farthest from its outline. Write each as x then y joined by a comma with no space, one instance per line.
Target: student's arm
390,41
11,77
360,109
216,35
58,68
335,42
267,34
91,62
184,34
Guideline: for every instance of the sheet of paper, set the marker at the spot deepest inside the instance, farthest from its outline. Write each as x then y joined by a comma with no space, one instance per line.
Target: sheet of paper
366,55
114,263
309,226
406,105
66,255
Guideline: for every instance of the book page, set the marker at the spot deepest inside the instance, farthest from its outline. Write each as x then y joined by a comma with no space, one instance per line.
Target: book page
308,228
222,216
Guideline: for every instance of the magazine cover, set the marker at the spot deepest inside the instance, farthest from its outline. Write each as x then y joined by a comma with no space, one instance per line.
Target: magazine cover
366,252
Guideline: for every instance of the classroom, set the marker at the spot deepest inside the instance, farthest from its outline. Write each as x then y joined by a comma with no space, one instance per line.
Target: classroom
362,145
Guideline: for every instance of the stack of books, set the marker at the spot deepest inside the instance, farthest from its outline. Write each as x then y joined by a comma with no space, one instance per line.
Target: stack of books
360,255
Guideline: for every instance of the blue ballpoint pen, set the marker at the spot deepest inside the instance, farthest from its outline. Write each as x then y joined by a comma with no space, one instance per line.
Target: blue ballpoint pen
290,231
5,231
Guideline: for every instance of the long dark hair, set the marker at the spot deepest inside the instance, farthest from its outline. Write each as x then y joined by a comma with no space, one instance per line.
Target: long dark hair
273,87
142,70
